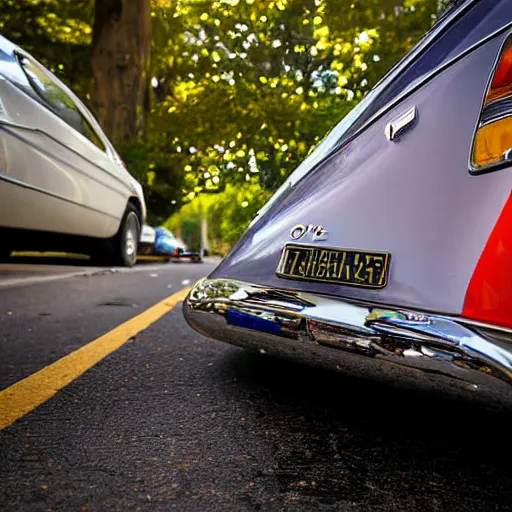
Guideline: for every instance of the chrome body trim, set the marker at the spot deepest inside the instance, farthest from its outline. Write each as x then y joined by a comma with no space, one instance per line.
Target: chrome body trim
396,128
496,111
398,345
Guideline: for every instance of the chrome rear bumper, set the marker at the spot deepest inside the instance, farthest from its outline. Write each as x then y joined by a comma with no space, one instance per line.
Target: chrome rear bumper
398,346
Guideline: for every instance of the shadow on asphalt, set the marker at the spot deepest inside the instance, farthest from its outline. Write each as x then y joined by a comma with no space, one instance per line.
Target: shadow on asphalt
344,440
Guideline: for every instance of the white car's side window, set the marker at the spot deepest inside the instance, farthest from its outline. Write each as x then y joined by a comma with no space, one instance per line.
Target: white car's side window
58,100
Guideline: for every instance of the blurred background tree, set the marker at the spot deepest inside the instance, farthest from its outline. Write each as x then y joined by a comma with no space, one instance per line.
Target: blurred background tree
236,92
121,47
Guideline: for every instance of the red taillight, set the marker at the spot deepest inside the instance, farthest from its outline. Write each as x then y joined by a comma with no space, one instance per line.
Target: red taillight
502,81
492,145
489,294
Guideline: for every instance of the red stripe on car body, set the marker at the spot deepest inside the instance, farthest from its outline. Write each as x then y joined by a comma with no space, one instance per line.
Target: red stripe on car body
489,294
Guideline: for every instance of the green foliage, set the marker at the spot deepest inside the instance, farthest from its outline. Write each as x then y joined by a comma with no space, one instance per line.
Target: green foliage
57,32
162,183
252,85
227,215
232,211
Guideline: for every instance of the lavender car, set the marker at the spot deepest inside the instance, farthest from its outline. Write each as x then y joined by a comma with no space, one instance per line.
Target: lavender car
388,252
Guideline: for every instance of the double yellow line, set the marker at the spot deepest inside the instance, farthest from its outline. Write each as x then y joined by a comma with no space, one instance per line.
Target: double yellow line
27,394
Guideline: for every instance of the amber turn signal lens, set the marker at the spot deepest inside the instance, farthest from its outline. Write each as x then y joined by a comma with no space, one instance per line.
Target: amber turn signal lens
492,141
492,144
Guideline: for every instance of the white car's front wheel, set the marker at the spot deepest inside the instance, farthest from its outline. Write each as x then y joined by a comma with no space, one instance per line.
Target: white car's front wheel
126,242
121,250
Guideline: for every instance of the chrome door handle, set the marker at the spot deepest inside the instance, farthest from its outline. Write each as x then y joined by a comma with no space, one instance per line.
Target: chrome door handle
395,129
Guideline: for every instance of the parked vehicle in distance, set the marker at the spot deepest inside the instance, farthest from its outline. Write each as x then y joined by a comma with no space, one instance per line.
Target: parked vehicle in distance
62,184
166,243
388,252
163,243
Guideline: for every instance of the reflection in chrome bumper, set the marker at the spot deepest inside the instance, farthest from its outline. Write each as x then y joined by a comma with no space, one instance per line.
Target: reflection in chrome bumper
395,345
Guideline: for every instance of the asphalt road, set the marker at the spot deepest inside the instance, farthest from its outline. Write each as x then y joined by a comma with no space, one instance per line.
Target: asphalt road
171,420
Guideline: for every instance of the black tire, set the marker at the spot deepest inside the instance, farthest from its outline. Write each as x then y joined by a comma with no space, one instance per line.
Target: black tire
126,242
122,249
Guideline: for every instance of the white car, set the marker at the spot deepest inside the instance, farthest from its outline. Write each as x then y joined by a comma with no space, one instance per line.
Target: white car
62,184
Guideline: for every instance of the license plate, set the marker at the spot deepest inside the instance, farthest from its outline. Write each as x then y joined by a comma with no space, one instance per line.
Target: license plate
330,265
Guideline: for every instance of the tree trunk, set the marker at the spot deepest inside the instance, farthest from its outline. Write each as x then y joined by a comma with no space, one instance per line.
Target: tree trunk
120,62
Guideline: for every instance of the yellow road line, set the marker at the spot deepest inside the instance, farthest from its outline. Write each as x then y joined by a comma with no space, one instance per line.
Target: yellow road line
153,258
27,394
37,254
